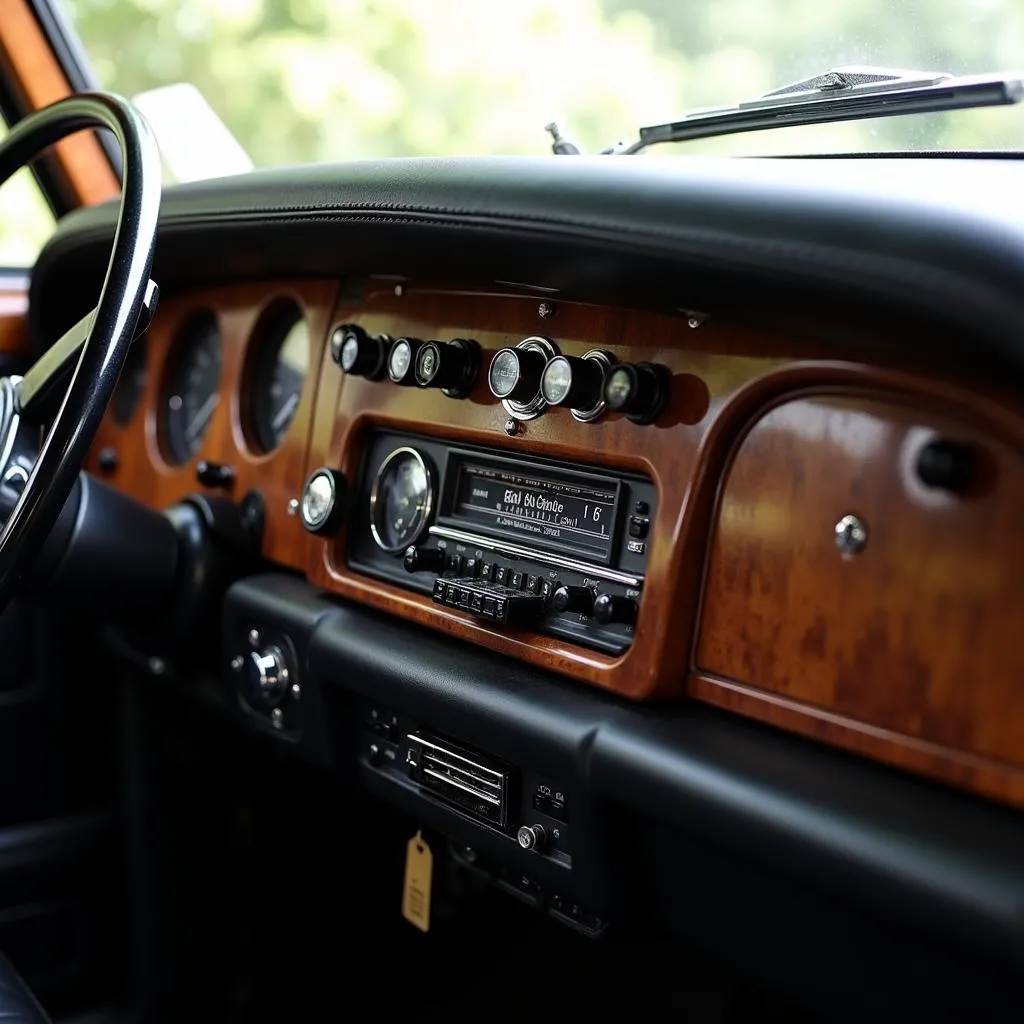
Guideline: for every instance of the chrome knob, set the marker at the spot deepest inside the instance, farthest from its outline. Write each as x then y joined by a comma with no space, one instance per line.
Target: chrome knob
532,837
268,675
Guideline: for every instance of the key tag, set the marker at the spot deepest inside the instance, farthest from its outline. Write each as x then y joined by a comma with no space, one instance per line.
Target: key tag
419,865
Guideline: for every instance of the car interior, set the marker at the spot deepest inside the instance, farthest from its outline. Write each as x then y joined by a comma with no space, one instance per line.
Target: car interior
503,587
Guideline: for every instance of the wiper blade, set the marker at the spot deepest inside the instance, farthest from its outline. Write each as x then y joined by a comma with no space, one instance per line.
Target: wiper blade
842,94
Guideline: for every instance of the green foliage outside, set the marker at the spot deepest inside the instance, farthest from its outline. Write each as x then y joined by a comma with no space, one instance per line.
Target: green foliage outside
311,80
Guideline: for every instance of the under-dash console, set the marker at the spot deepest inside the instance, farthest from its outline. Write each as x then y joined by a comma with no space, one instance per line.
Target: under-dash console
520,542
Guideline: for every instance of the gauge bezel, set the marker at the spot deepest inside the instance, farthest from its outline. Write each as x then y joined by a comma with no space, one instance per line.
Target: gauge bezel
186,335
428,504
263,350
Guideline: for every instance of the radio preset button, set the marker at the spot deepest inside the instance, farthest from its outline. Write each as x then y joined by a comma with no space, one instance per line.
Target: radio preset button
471,566
533,584
501,574
516,582
487,571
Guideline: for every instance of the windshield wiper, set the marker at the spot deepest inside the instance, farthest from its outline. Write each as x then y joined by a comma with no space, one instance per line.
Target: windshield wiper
842,94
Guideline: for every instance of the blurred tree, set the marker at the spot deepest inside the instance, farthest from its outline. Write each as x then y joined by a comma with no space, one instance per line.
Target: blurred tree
302,80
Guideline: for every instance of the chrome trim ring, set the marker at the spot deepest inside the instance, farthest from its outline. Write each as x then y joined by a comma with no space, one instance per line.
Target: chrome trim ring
536,405
428,503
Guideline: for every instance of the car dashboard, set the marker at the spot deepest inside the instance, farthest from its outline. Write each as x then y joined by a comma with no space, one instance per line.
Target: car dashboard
603,505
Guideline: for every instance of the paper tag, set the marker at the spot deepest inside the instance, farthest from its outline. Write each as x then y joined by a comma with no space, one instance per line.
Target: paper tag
419,867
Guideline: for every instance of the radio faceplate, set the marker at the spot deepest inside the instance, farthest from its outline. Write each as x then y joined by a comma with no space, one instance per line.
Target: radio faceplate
521,542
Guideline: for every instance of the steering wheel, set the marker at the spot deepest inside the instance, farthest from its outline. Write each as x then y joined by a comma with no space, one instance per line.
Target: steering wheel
37,478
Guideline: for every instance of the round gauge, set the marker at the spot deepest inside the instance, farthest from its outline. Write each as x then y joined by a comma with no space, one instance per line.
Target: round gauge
130,384
277,378
401,499
191,389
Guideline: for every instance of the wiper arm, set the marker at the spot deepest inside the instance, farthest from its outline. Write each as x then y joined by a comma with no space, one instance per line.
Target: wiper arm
842,94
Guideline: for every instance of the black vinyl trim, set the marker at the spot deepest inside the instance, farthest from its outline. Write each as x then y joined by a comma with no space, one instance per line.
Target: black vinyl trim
41,844
936,247
889,840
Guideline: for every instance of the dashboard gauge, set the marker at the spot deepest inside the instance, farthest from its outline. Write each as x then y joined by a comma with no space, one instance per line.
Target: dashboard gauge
191,390
130,384
277,378
401,500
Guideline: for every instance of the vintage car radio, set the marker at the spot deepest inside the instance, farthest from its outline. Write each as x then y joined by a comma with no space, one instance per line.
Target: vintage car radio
521,542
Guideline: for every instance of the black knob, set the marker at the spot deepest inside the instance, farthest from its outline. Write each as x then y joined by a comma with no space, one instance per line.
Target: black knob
515,374
402,361
214,474
357,353
947,465
453,366
610,608
572,381
424,559
532,837
573,599
640,390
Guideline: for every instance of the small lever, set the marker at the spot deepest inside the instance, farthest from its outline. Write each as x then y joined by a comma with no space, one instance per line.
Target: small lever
58,360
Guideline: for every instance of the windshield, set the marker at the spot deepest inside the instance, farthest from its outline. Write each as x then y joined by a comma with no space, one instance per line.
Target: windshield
298,81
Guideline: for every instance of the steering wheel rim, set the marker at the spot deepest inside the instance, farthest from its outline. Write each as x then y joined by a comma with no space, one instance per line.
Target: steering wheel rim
73,427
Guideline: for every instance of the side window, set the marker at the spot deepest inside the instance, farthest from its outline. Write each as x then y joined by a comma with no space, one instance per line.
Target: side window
25,219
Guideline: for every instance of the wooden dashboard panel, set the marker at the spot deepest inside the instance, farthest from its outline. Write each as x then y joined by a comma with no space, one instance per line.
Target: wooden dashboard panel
141,468
910,650
669,452
905,653
13,310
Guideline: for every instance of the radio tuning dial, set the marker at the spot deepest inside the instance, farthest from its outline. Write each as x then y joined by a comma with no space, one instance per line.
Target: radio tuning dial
402,361
611,608
532,837
453,366
357,353
573,599
417,559
515,374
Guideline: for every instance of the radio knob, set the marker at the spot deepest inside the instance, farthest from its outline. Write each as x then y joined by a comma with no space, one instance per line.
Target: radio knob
573,381
573,599
611,608
357,353
453,366
402,361
532,837
515,374
267,676
640,390
419,559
